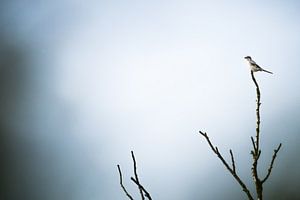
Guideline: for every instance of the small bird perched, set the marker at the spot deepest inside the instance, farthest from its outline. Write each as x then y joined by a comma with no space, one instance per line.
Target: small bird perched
255,67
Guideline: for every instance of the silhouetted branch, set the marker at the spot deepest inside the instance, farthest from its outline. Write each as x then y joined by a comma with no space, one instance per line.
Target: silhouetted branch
253,143
257,112
121,183
232,161
272,162
136,176
256,152
231,170
141,188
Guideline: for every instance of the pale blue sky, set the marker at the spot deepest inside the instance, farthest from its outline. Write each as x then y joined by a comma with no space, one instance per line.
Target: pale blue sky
146,76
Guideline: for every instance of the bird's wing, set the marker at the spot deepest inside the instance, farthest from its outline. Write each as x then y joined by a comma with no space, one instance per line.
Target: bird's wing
252,62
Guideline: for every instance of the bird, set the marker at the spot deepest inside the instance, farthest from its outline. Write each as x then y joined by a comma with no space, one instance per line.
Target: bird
255,67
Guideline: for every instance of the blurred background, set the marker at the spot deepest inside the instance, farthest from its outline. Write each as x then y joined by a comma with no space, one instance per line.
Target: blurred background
82,83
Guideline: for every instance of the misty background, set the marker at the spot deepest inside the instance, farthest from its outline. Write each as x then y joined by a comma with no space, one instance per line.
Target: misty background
83,83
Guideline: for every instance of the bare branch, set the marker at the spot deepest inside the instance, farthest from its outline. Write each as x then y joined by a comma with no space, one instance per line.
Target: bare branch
257,113
259,152
256,179
136,176
272,162
142,188
233,173
135,180
232,161
253,143
121,183
256,150
214,149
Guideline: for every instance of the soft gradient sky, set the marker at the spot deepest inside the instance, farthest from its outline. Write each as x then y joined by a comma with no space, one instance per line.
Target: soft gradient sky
86,82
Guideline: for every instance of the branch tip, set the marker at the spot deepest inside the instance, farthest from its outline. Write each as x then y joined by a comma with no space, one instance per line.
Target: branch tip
136,176
232,161
121,183
272,163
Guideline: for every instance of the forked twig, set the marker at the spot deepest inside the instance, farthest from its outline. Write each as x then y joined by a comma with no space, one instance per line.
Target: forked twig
256,152
136,176
141,188
231,170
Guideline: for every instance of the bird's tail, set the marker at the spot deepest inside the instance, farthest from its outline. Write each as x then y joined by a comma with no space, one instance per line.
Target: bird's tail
267,71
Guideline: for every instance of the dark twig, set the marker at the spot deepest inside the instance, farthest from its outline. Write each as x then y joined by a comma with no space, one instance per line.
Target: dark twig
272,162
231,170
121,183
136,176
142,187
253,143
232,161
142,190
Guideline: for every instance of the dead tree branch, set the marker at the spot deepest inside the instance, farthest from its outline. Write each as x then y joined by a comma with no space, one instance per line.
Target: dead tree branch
232,161
121,183
272,162
256,148
257,113
231,170
143,192
142,187
255,152
136,176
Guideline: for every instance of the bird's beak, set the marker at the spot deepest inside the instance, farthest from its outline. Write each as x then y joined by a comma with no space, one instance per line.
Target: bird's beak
245,57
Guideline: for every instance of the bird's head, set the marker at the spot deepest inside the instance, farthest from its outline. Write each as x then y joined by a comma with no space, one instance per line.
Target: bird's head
248,58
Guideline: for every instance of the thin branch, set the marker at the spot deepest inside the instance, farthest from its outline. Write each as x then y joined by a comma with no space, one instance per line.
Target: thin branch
259,152
136,176
256,150
121,183
143,189
232,161
257,113
253,143
231,170
208,140
135,180
272,162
